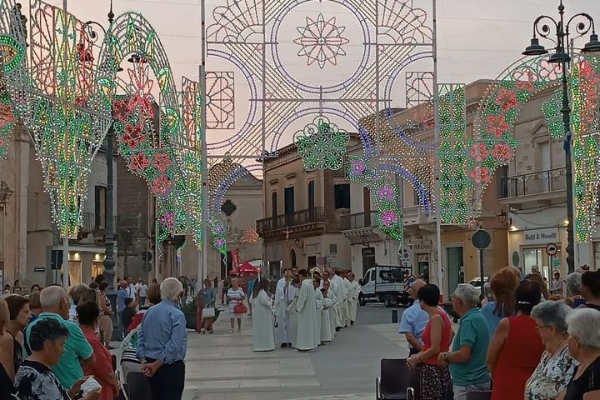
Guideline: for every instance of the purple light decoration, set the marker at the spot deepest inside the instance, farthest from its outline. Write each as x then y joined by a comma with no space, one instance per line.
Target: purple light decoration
421,191
386,193
167,220
389,218
357,167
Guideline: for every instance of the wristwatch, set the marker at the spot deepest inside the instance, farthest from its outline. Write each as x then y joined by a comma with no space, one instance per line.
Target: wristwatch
445,356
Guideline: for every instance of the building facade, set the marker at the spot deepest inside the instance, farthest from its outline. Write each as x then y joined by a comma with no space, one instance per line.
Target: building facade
304,211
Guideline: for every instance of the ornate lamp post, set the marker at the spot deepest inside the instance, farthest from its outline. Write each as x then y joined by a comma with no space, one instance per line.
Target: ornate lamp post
546,26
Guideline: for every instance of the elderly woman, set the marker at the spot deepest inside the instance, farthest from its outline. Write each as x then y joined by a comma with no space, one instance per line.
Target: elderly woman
556,367
503,286
35,380
573,282
7,368
515,348
584,346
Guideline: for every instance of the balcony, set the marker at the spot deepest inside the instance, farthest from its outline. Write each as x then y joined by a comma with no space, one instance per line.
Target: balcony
414,216
303,221
92,224
543,185
358,221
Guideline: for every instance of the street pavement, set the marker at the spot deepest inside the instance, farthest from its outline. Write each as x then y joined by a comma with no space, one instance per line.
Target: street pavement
223,366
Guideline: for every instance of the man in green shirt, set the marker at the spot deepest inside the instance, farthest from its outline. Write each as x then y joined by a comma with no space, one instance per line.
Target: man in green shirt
466,361
77,350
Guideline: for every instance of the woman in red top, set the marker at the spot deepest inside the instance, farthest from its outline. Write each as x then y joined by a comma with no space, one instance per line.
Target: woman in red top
516,348
436,338
101,369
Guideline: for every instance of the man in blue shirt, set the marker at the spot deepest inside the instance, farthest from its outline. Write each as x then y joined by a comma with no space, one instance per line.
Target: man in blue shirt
162,343
251,283
466,361
414,320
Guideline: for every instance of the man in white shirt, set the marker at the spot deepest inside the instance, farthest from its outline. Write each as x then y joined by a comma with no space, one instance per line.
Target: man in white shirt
142,290
131,290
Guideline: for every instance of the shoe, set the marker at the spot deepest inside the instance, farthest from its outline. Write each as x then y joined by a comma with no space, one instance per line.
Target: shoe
203,331
289,345
351,323
284,345
231,331
210,333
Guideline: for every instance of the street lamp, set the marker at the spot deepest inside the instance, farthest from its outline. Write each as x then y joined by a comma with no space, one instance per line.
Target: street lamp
545,26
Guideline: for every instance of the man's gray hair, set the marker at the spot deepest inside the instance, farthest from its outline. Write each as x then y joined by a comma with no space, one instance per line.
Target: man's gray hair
52,296
552,313
584,324
467,294
573,284
170,289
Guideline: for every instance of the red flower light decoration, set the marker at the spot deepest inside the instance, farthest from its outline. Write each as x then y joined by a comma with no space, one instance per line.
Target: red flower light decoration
138,163
132,136
480,175
161,161
501,152
161,185
120,111
479,152
496,125
506,98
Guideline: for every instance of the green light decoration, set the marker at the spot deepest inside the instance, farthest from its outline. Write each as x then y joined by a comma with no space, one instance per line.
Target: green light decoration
56,97
551,112
322,145
385,195
6,122
454,184
585,120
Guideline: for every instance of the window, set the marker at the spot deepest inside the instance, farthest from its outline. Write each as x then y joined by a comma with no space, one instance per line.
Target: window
274,204
333,248
289,200
342,195
100,207
311,194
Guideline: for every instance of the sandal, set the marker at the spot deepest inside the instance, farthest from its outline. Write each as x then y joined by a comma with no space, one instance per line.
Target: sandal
231,331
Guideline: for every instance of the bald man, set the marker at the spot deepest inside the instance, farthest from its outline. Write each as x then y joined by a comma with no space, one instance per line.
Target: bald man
414,320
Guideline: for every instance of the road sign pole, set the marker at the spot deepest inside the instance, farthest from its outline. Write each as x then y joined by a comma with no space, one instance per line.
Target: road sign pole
481,274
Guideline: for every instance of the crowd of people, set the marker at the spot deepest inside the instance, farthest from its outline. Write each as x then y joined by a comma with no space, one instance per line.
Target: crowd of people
529,342
54,344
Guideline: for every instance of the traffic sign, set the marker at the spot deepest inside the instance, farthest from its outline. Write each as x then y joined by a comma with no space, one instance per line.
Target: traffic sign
146,256
481,239
551,249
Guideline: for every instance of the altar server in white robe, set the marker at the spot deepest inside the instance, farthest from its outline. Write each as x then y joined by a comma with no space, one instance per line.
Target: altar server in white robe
319,303
326,335
262,318
329,294
333,312
306,307
292,313
353,297
284,295
340,294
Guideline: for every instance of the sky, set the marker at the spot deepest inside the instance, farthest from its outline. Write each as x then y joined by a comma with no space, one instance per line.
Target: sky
477,39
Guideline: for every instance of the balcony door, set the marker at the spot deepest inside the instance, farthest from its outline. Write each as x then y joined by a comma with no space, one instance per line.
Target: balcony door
289,200
274,204
545,166
311,195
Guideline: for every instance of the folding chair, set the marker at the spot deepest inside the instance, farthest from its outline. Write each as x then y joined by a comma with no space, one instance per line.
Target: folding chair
394,382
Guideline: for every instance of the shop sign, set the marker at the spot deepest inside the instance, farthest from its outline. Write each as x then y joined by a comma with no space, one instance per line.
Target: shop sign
541,236
423,246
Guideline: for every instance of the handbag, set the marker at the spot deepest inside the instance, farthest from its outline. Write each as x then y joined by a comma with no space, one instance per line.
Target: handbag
208,312
240,308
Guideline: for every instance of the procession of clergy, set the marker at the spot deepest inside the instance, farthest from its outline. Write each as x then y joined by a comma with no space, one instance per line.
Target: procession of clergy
308,310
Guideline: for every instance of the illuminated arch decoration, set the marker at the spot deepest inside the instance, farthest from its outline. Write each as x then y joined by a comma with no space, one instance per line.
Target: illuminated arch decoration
386,37
56,96
168,158
6,121
322,145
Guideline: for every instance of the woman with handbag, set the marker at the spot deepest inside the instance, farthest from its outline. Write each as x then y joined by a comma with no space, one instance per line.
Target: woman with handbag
235,300
208,296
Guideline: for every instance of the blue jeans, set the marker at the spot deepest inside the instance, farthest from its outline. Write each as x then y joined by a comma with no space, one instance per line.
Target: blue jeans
460,392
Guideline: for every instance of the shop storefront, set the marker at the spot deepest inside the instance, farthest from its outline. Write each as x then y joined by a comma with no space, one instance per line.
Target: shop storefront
538,249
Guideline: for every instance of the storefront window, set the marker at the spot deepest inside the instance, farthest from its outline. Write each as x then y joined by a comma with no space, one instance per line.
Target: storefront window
539,259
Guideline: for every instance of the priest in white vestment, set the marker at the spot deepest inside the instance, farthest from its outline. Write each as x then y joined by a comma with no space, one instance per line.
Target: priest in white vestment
329,294
284,295
353,297
292,313
340,294
306,307
262,318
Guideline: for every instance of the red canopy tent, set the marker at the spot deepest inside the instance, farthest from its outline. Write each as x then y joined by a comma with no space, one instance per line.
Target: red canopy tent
245,268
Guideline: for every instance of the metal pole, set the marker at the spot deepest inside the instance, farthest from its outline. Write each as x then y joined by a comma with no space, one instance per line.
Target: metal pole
203,259
566,111
109,261
436,105
481,274
65,264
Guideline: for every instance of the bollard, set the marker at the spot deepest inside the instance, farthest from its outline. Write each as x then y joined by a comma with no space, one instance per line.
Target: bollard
394,316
